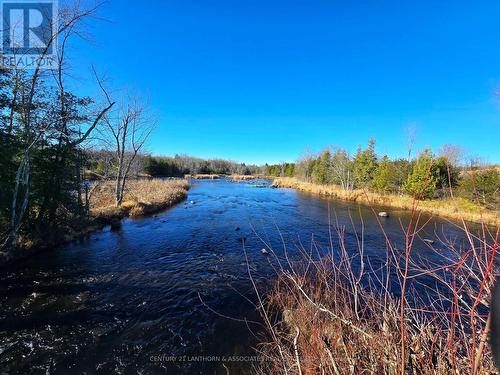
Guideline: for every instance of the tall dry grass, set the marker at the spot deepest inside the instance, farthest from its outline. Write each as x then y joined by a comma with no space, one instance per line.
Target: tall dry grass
241,177
202,176
457,208
141,197
342,313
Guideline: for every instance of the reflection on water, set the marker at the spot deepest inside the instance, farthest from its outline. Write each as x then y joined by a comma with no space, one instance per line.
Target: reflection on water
117,301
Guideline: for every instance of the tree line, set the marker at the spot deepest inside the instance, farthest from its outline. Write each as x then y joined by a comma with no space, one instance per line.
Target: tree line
181,165
424,177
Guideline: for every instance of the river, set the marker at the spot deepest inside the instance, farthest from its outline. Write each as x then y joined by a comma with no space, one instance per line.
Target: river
150,298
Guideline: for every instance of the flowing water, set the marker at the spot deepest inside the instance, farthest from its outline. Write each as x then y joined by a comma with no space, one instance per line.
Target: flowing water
157,296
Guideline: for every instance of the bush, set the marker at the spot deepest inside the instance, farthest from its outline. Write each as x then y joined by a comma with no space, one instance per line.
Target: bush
338,314
481,187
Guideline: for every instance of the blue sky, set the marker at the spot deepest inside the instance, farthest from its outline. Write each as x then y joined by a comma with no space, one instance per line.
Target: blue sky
260,81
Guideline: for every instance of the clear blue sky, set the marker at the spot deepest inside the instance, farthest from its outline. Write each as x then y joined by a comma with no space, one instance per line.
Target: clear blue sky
259,81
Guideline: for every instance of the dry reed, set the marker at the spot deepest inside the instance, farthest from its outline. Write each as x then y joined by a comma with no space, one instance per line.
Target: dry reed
141,197
202,176
241,177
340,314
457,208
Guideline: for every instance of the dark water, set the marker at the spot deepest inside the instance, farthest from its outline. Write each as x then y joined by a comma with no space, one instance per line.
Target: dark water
115,302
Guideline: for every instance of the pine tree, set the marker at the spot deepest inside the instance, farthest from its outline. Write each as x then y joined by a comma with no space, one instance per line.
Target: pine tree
383,176
321,168
421,183
365,164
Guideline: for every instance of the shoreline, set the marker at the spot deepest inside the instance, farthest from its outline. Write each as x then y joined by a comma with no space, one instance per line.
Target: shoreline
456,209
99,218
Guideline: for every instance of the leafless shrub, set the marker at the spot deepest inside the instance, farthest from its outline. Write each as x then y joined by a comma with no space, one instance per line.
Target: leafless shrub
346,313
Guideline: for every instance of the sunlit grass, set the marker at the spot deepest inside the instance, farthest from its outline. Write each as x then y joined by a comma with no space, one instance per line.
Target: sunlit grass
203,176
456,208
141,197
242,177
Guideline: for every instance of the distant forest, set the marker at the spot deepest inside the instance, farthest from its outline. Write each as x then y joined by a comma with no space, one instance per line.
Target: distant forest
425,176
99,164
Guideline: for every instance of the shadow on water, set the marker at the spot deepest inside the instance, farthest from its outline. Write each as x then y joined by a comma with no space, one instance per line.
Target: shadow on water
129,300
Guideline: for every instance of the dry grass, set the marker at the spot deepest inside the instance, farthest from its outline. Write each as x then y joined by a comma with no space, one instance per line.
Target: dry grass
457,208
141,197
241,177
341,314
202,176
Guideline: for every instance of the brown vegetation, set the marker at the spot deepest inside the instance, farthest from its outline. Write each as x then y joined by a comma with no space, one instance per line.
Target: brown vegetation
141,197
457,208
241,177
202,176
342,314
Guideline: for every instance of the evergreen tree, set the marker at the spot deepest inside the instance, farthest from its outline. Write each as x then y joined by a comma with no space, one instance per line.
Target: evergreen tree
383,177
445,173
401,170
289,169
421,183
321,168
365,163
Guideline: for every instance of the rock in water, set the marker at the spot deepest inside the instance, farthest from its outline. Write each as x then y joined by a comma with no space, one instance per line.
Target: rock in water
383,214
428,241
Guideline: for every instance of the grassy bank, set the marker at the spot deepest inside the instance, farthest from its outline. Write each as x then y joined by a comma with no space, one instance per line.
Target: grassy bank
240,177
141,197
457,208
202,176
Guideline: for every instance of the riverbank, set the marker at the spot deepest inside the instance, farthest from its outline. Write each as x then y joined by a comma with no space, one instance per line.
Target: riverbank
142,197
202,176
241,177
330,314
457,208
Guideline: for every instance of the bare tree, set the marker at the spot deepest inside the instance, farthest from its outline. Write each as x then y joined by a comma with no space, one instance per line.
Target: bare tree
305,164
127,130
341,168
454,154
411,136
